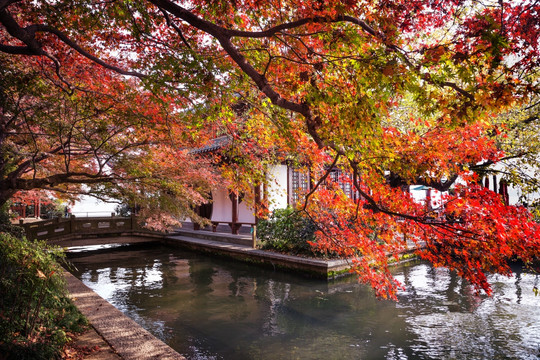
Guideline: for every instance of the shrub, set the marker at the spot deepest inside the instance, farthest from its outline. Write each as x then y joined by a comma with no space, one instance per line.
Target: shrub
35,311
287,231
7,227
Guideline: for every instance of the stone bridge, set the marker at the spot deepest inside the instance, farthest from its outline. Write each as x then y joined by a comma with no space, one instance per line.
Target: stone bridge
73,231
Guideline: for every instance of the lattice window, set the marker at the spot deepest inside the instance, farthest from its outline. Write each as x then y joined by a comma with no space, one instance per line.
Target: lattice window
342,179
300,185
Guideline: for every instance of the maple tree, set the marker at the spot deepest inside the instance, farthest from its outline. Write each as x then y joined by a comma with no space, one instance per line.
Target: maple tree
393,93
95,141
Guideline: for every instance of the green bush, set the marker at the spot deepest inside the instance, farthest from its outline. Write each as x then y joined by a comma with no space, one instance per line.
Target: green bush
7,227
35,311
287,231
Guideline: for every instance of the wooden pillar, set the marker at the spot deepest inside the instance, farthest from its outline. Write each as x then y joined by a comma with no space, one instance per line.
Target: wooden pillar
38,208
254,236
503,191
133,221
289,193
258,208
234,200
428,200
72,228
265,192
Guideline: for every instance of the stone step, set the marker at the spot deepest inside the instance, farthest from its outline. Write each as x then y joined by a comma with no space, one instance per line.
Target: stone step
215,236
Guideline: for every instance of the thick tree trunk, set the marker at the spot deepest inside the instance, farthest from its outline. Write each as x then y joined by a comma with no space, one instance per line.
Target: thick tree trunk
5,195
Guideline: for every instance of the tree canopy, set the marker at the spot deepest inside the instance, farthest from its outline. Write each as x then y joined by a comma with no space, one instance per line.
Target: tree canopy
393,93
110,139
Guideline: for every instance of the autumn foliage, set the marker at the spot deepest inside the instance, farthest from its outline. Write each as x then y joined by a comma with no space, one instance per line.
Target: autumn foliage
392,93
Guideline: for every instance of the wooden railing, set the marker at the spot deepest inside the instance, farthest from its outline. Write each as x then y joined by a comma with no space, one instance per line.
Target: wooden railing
73,226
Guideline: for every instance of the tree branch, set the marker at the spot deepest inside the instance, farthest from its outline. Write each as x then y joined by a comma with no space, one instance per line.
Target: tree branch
175,27
321,180
27,35
23,34
16,50
80,50
5,3
23,167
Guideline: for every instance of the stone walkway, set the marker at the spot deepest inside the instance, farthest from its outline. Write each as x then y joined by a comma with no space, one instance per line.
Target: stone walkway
90,340
124,336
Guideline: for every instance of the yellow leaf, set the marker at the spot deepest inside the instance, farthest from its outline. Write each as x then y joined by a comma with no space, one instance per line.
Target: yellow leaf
41,275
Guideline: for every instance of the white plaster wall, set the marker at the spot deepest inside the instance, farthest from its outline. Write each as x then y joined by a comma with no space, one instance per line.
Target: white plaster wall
436,199
515,193
222,208
245,213
277,187
221,205
420,196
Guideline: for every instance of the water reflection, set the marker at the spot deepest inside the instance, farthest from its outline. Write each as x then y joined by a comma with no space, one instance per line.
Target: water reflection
208,308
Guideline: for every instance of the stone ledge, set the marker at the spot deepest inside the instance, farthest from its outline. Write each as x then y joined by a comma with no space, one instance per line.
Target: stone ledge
125,336
314,267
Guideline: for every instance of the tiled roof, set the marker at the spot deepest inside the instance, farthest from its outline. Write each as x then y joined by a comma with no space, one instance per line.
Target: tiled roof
213,145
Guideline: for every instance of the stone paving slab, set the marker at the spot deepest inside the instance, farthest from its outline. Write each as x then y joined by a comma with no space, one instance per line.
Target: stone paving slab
125,336
92,340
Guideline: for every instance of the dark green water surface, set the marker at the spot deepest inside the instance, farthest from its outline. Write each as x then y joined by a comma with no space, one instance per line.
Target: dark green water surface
211,308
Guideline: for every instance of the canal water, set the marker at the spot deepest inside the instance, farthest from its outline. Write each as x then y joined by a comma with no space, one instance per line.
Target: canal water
212,308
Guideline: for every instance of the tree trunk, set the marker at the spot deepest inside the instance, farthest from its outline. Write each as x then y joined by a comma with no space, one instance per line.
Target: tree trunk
5,195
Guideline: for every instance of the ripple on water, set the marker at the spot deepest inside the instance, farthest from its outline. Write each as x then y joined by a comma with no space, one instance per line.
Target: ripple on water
207,308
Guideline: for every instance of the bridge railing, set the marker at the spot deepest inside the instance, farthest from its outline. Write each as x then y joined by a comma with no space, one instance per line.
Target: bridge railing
60,227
